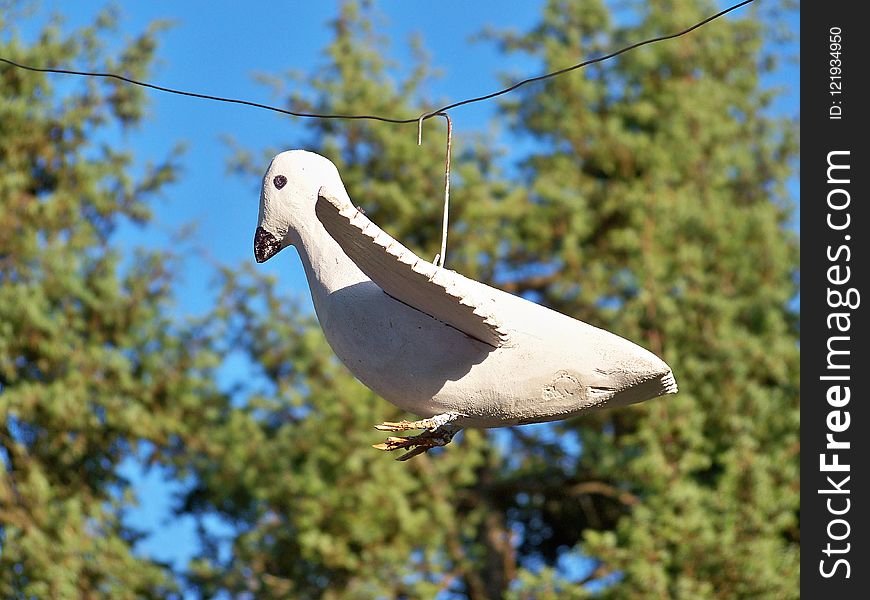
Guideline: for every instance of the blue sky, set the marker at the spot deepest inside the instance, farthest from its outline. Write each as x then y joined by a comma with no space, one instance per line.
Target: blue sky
216,48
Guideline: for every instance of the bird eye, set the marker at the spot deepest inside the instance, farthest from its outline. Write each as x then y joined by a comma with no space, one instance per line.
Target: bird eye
279,181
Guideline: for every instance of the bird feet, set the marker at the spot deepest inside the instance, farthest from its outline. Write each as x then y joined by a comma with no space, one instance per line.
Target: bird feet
438,432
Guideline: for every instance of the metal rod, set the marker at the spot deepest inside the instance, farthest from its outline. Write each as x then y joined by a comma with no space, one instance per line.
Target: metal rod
439,258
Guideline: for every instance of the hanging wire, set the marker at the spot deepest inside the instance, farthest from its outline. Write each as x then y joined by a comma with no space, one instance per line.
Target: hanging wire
423,117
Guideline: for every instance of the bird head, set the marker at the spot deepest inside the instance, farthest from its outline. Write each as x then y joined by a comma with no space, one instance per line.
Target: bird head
288,197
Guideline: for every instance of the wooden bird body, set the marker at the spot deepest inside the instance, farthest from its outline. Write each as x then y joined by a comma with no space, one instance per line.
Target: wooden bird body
428,339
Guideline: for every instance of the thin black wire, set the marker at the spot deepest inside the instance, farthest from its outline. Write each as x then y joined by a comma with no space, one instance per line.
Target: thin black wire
425,116
588,62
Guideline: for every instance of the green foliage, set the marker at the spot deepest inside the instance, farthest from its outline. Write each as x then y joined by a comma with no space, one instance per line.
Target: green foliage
90,367
655,208
652,203
671,179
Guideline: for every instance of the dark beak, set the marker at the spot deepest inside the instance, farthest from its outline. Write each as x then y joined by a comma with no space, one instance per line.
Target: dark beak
266,245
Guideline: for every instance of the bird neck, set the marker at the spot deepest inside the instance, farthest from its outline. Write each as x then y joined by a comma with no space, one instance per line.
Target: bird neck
327,268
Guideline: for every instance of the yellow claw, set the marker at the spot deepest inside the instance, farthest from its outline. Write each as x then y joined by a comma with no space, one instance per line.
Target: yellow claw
402,425
436,434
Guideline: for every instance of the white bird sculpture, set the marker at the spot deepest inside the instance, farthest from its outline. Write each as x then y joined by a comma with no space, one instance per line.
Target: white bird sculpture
432,342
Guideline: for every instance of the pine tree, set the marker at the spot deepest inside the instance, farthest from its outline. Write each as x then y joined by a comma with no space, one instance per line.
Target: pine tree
665,214
656,209
322,513
92,370
652,204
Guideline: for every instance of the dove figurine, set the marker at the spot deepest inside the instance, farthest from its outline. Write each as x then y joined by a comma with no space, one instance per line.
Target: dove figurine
434,343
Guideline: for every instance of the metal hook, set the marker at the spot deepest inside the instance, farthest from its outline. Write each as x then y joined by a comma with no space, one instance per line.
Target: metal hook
420,128
439,258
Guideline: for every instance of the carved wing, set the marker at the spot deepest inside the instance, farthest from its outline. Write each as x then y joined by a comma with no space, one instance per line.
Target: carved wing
443,294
